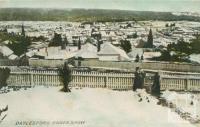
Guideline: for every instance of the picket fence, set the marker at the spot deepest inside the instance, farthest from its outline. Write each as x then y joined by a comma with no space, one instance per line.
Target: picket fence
28,78
180,81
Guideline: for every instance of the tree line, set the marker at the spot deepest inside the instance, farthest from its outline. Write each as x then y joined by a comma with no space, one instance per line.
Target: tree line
84,15
181,50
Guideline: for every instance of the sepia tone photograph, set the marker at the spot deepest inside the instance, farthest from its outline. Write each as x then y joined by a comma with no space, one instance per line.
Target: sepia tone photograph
99,63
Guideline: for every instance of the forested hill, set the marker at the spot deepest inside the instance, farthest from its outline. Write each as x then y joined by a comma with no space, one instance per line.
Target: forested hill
26,14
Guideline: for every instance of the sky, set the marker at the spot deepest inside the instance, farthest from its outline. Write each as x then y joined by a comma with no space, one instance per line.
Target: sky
139,5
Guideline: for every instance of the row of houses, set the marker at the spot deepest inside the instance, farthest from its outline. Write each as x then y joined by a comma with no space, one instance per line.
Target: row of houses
108,52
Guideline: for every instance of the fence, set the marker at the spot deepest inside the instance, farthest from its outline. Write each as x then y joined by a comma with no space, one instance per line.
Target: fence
180,83
96,79
28,78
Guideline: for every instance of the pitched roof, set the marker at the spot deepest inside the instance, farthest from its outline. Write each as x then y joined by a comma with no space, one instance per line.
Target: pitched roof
109,49
5,50
87,51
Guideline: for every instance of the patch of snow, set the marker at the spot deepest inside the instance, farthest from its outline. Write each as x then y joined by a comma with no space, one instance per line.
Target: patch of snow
187,102
195,57
97,107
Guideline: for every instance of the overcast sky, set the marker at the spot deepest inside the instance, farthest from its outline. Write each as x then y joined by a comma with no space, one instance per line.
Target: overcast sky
140,5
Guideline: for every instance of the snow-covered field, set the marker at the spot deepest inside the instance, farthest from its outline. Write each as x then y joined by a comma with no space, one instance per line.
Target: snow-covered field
94,107
185,102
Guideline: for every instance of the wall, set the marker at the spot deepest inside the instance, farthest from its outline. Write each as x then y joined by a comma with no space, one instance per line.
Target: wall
144,65
46,63
6,62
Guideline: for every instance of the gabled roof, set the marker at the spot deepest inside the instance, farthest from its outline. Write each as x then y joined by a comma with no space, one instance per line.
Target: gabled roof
87,51
109,49
12,57
5,51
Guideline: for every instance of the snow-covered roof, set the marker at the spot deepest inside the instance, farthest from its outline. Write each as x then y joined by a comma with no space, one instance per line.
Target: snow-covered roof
195,58
31,53
135,52
54,53
5,51
109,49
151,54
13,57
87,51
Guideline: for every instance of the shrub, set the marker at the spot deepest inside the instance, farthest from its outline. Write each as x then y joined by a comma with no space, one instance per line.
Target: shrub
4,74
65,77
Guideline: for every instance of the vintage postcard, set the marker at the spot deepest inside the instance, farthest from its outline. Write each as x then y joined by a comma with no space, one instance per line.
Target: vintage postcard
99,63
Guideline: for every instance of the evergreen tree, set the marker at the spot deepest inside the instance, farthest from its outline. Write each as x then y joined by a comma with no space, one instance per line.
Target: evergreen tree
195,45
142,57
20,43
23,31
99,45
4,75
137,59
126,45
64,43
56,41
165,55
79,44
150,40
65,77
135,35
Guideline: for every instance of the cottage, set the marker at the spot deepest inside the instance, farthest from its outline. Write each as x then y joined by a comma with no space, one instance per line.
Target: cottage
88,51
6,52
110,52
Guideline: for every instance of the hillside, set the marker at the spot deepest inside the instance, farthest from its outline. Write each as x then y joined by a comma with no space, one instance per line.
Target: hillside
27,14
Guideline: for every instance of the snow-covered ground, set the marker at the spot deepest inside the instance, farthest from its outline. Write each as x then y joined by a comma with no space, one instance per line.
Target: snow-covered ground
185,102
96,107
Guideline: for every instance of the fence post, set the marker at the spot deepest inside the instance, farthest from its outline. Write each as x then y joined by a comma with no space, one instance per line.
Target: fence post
186,83
105,81
31,79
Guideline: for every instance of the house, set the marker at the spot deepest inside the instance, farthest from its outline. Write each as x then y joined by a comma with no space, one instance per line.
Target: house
87,51
110,52
54,53
6,52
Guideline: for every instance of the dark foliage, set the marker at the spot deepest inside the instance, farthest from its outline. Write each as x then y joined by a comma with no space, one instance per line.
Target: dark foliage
137,59
180,51
21,46
126,45
56,41
99,42
195,45
65,77
79,44
4,75
149,43
18,43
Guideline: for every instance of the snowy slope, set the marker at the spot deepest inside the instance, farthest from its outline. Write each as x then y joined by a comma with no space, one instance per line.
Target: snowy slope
185,102
97,107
